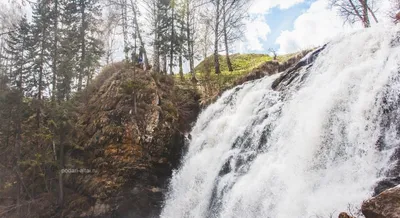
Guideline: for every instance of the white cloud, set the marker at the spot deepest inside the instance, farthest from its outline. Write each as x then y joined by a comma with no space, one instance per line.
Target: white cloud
263,6
257,31
313,28
318,25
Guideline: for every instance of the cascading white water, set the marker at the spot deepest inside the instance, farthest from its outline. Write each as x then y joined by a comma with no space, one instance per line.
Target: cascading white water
307,150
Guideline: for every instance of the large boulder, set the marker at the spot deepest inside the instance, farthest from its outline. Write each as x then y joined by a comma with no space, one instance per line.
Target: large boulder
344,215
385,205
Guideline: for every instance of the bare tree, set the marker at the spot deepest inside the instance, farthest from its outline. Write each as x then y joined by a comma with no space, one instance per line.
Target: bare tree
109,33
138,33
273,52
233,14
394,13
153,17
355,10
217,14
191,9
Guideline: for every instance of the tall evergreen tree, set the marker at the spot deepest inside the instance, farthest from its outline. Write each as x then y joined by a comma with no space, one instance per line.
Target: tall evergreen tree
40,49
68,50
16,47
55,15
90,47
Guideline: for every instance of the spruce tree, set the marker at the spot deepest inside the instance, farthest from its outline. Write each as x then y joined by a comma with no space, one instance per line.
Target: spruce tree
16,48
68,48
90,46
40,50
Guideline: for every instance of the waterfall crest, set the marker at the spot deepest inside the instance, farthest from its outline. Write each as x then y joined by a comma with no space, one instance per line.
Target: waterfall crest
308,147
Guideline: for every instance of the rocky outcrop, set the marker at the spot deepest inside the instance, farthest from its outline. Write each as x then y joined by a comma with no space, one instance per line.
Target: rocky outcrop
385,205
344,215
130,138
292,72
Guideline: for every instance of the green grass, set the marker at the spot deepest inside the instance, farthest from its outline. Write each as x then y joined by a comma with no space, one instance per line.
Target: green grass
239,62
242,65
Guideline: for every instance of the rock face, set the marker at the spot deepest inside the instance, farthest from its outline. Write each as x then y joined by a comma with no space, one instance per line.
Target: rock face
385,205
344,215
293,71
131,137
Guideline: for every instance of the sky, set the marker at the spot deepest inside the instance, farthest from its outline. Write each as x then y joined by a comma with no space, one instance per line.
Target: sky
293,25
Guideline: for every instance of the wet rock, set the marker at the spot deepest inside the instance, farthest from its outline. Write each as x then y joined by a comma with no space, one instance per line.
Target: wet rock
386,184
293,72
385,205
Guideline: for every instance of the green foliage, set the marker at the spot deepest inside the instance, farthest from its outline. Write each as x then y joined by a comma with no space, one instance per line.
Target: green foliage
130,86
17,43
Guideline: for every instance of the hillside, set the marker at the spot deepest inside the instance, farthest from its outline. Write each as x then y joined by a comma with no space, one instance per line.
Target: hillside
239,62
246,67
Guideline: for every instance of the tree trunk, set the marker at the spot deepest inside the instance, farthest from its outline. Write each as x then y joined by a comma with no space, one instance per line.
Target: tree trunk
181,67
357,12
216,41
125,29
181,57
365,12
164,62
83,45
55,55
189,41
40,88
373,14
171,52
156,49
18,142
228,59
146,60
364,16
60,174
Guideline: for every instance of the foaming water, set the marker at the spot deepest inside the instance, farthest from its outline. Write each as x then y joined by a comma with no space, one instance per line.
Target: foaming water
306,150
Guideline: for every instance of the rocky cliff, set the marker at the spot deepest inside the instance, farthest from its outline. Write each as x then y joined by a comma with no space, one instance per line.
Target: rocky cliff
131,135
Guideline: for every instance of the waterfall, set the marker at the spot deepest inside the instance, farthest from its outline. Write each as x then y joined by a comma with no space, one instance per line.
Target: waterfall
308,147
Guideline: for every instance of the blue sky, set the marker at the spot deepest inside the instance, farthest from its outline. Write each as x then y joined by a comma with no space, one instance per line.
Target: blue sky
282,19
294,25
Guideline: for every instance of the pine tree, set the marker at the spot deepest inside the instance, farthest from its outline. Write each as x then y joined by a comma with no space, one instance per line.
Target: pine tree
40,49
68,50
171,34
16,47
90,47
55,15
